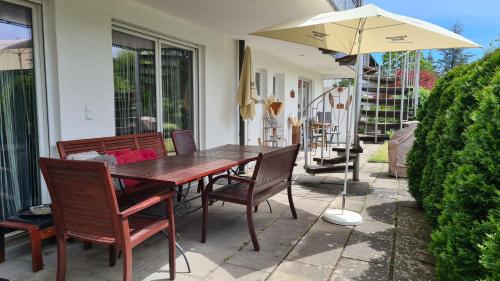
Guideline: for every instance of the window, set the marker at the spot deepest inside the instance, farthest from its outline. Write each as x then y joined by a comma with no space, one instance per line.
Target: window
257,82
138,62
274,85
135,84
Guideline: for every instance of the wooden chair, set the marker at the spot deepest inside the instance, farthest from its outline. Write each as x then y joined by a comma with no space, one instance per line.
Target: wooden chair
84,206
272,174
183,142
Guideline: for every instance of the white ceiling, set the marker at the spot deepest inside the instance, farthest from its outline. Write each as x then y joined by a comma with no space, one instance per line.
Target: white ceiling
237,18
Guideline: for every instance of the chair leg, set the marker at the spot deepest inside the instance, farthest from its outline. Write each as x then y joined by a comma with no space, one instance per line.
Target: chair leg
171,239
127,263
256,208
204,203
61,258
290,201
2,246
112,255
36,250
251,228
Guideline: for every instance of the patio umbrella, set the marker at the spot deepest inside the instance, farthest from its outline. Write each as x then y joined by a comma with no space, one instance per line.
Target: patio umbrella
363,30
247,92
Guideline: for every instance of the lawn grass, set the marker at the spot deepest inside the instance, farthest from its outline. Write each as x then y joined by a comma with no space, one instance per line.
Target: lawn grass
381,155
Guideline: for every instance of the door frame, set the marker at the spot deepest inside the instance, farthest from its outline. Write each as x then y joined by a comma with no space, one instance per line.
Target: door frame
158,39
40,85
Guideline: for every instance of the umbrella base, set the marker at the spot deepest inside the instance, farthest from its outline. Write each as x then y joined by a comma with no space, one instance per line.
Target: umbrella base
337,216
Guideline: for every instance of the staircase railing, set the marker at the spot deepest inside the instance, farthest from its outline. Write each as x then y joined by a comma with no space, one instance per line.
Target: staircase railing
389,95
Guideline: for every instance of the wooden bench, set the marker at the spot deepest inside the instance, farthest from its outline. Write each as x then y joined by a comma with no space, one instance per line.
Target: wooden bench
101,145
135,142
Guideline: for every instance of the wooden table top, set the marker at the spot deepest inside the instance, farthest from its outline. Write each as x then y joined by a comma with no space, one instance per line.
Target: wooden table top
181,169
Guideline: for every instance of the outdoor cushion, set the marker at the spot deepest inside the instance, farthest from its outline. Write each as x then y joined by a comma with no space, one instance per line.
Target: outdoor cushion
83,155
118,152
39,221
131,157
148,154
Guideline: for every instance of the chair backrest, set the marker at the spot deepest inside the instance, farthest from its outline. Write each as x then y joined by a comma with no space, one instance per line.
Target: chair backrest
274,167
135,142
183,142
84,203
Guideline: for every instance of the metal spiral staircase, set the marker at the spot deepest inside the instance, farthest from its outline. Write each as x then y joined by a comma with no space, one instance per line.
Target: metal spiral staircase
389,97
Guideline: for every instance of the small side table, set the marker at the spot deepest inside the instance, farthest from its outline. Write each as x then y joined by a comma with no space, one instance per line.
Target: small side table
38,230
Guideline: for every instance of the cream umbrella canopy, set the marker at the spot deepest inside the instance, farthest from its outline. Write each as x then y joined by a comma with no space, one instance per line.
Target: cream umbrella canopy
247,91
381,31
363,30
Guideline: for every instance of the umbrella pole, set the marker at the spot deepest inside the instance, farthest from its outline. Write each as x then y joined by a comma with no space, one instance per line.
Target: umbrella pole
342,216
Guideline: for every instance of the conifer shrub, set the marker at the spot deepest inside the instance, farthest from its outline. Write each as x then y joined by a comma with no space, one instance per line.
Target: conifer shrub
435,105
447,136
466,240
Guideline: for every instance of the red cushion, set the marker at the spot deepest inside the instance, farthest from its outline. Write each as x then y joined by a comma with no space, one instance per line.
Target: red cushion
118,152
131,157
148,154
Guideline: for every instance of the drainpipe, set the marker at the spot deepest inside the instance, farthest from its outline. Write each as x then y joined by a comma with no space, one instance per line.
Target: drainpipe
241,55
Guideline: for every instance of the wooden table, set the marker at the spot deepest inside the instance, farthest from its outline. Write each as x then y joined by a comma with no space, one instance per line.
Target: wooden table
181,169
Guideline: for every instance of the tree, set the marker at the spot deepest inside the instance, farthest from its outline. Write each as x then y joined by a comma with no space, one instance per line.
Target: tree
451,58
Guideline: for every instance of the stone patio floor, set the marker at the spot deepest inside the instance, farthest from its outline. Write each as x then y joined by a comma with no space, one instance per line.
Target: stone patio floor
391,244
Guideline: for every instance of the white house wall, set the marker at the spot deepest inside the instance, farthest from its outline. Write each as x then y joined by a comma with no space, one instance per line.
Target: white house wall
85,70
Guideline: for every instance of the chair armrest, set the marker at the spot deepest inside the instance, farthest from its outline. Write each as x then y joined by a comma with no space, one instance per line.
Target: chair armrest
231,177
155,199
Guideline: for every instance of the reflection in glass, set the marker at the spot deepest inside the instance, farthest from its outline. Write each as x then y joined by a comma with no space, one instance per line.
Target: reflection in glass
177,90
19,177
134,80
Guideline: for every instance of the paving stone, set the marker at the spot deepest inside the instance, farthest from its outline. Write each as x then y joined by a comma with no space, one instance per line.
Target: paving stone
318,250
386,183
412,214
411,247
412,270
368,248
336,233
376,229
269,256
383,212
309,180
233,272
349,269
353,203
291,270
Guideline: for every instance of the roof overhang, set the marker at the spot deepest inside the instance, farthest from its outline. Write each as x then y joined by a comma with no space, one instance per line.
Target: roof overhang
237,18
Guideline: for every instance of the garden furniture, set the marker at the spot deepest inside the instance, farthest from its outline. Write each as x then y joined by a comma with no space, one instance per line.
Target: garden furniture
272,174
85,207
39,228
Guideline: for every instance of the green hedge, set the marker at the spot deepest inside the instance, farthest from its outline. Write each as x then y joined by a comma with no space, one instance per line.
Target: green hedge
454,171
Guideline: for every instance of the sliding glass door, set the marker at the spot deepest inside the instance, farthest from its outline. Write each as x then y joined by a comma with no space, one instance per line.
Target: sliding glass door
134,74
19,141
177,88
154,79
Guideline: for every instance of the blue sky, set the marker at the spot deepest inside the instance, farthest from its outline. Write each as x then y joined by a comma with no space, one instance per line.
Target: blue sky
480,18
